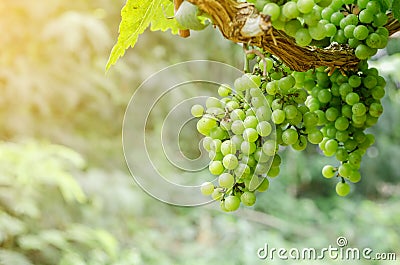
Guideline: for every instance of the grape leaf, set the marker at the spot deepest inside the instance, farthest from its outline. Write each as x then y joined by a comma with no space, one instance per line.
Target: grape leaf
136,16
386,4
396,9
163,18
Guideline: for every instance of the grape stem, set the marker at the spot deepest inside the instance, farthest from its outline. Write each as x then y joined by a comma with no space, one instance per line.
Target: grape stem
234,19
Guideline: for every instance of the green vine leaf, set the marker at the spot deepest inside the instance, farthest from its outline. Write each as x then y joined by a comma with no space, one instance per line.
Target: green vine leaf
136,16
396,9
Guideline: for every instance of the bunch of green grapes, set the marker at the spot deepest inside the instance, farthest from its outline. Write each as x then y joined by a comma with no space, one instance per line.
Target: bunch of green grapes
275,107
360,24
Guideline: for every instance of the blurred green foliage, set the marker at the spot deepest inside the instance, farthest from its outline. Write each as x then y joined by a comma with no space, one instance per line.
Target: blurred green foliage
67,198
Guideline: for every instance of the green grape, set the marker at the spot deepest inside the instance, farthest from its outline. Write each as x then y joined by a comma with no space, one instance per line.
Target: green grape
310,119
359,109
248,198
355,158
355,176
228,147
290,111
248,148
348,31
205,124
218,133
264,128
237,139
300,144
290,136
278,116
324,96
346,111
226,180
250,122
237,114
345,169
197,110
375,109
250,135
260,156
315,136
216,168
305,6
370,81
366,16
230,162
327,12
354,81
290,10
213,102
361,32
378,92
276,161
261,168
237,127
330,147
341,154
380,19
231,105
272,88
269,147
232,203
217,194
342,189
273,10
264,185
336,17
207,188
224,90
342,123
286,83
330,30
342,136
273,172
303,37
331,114
215,155
263,113
207,142
363,51
352,98
328,171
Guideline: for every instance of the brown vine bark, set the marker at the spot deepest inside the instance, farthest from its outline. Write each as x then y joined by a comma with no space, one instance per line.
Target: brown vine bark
242,23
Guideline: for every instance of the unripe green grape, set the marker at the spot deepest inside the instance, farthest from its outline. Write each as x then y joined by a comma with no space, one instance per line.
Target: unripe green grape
250,135
355,158
273,10
216,168
310,119
213,102
263,113
324,96
290,10
260,156
355,176
290,136
305,6
231,105
290,111
250,122
273,172
366,16
330,30
354,81
264,128
228,147
370,81
322,143
224,90
374,40
218,133
315,136
327,12
230,162
345,170
217,194
342,189
292,27
363,52
264,185
269,147
215,145
303,37
378,92
362,3
197,110
373,6
232,203
331,146
331,114
248,198
237,127
342,136
376,109
359,109
361,32
261,168
328,171
237,114
215,156
205,124
286,83
336,18
226,180
300,144
249,160
278,116
342,123
276,161
300,96
272,88
226,124
248,148
339,37
352,98
207,188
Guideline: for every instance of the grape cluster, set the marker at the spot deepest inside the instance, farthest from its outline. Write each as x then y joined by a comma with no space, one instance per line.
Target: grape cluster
274,107
360,24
